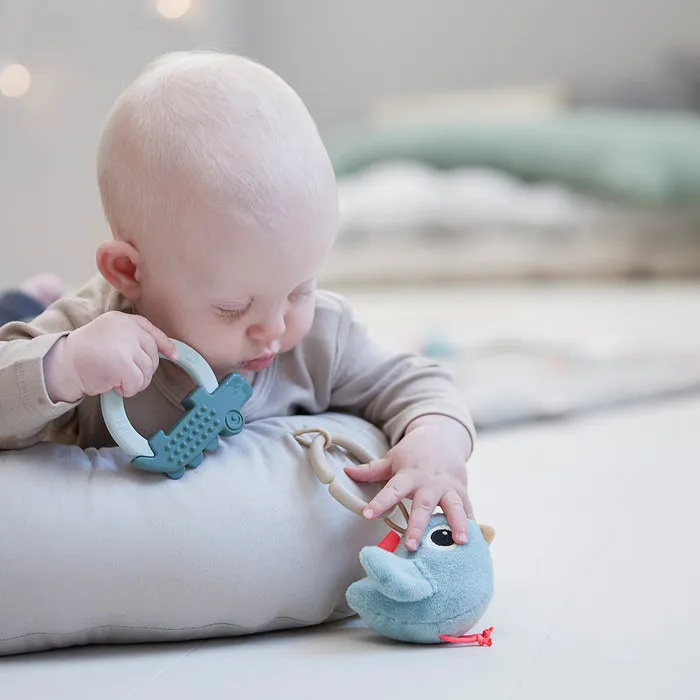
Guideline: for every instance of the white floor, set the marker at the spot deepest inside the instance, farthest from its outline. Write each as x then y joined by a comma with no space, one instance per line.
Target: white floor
596,556
597,584
660,315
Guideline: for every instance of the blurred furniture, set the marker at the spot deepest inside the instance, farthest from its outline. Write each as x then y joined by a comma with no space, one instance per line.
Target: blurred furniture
628,188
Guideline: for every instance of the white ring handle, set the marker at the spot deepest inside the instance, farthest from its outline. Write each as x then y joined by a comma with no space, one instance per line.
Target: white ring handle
114,412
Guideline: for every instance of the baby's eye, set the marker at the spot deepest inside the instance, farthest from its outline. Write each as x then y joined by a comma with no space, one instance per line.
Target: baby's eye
232,314
300,294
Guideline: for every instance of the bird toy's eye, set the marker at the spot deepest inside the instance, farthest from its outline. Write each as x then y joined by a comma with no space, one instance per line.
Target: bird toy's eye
441,537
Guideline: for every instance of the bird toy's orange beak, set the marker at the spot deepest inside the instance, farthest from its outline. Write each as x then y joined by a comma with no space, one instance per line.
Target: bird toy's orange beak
390,542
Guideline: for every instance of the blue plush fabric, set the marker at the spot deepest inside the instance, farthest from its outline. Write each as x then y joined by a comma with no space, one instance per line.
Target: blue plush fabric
18,306
417,596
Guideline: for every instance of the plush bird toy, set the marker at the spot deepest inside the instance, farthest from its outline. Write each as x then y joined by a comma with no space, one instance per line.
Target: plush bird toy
435,594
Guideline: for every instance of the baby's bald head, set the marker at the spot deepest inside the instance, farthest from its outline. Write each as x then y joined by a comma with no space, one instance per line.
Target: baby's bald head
205,142
222,202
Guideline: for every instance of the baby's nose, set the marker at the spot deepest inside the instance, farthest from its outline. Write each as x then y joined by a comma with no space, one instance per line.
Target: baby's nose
268,330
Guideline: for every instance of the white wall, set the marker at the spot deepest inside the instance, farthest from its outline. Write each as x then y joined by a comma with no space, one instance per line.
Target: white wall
343,55
81,53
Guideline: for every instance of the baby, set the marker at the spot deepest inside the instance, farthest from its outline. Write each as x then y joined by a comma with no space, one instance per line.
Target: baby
223,207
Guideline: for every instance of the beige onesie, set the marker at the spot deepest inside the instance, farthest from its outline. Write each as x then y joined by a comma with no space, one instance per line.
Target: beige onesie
337,366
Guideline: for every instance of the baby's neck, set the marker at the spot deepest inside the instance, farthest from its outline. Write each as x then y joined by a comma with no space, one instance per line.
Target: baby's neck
176,377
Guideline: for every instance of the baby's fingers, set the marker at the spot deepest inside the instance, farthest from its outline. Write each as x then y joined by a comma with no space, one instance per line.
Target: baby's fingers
165,345
468,507
132,381
376,470
424,503
396,490
146,363
453,507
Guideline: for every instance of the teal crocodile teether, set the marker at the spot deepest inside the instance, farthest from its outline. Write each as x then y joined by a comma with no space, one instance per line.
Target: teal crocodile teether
213,409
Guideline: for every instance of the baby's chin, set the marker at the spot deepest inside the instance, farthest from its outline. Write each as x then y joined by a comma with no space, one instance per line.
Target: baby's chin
224,369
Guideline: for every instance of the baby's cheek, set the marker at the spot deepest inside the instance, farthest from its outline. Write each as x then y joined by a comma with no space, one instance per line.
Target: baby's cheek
290,339
221,346
298,326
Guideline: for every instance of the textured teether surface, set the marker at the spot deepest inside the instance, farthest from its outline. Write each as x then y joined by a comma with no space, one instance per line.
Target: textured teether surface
208,416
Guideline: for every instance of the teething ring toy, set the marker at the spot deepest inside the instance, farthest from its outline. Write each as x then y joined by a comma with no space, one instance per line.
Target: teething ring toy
318,447
213,409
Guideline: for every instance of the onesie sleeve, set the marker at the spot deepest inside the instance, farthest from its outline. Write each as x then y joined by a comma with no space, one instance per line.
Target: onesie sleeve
389,388
27,413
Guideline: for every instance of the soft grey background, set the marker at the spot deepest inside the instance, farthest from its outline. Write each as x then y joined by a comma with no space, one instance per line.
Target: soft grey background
340,56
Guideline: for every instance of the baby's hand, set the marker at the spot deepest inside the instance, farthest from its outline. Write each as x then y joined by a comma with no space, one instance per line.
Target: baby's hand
115,351
429,466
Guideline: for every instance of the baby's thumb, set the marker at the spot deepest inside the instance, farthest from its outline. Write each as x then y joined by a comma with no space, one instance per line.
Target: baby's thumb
376,470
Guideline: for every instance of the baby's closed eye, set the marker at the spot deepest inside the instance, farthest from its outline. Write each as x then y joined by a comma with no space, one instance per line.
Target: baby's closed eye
300,294
232,314
303,291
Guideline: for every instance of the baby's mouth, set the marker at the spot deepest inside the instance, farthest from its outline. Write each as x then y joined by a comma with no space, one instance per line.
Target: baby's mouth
259,363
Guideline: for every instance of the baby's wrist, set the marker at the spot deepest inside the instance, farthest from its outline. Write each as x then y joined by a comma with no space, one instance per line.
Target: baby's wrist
454,429
60,378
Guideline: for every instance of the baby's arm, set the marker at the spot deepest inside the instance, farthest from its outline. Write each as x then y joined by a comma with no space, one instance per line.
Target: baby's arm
391,389
421,410
26,409
71,351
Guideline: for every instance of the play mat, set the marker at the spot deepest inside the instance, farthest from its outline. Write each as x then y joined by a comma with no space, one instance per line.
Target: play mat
516,381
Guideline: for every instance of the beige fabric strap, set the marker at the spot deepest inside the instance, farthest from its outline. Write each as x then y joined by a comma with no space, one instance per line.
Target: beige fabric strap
318,447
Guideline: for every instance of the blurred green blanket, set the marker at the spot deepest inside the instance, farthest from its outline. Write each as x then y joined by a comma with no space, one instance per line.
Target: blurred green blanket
640,158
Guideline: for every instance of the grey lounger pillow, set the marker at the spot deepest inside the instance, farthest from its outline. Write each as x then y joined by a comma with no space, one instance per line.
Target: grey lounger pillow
93,551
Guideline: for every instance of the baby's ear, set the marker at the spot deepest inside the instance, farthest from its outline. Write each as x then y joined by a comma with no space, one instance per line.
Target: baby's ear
488,532
118,262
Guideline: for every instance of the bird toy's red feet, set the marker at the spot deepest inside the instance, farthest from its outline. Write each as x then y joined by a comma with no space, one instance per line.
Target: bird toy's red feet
483,639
